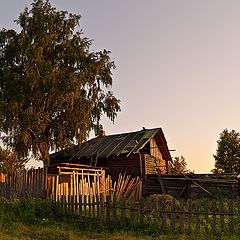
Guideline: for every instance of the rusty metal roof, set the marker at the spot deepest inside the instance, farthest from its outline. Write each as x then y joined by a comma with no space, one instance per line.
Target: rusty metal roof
118,144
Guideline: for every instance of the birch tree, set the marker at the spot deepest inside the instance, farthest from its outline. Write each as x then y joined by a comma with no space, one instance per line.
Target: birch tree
53,88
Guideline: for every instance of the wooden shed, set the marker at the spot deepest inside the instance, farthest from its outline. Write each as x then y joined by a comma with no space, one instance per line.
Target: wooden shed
134,153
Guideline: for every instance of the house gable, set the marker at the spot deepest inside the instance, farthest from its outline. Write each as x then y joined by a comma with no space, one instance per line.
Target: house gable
116,150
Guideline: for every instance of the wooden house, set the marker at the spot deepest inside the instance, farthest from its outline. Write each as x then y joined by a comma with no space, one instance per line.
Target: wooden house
135,153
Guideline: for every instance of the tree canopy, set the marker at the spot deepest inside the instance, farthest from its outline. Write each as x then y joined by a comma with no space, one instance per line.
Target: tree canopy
178,166
227,158
53,89
10,162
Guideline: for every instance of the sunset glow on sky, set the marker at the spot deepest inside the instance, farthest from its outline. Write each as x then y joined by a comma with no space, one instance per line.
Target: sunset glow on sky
177,66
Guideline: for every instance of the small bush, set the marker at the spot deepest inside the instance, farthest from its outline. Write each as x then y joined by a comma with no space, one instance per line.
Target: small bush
30,211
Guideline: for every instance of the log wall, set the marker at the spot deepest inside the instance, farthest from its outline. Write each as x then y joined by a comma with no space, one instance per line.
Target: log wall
194,187
130,165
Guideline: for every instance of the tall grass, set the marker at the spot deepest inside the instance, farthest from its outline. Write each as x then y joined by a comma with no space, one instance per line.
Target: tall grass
29,211
41,219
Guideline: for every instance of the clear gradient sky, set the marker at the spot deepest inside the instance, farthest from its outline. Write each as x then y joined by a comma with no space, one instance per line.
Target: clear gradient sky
178,66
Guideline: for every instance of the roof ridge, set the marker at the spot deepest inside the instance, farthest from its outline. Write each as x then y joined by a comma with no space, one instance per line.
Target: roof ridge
115,134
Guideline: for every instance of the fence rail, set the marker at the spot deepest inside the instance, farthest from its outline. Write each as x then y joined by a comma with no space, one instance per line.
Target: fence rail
100,199
215,216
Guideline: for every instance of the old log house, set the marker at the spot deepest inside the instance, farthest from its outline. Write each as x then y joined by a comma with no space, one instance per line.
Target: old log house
136,153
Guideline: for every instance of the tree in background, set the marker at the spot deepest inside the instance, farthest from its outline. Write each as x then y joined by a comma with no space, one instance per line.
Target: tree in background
227,158
53,89
178,166
10,162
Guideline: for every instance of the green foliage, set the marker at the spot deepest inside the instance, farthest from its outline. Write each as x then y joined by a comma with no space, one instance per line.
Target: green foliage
227,158
179,165
53,89
39,219
10,162
29,211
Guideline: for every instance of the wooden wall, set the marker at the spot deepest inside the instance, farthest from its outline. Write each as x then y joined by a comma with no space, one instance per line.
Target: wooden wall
155,152
179,186
152,165
130,165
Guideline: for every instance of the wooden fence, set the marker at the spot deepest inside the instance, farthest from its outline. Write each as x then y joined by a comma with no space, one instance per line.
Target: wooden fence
98,198
27,183
193,185
89,182
193,216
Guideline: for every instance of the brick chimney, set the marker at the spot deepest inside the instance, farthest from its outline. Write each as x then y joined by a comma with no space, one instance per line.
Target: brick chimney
101,133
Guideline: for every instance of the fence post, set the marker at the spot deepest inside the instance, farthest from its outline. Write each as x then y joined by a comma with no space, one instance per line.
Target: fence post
80,207
222,215
206,214
141,210
182,214
197,212
123,211
132,213
173,214
89,206
85,206
238,206
164,214
93,203
64,202
114,209
108,220
45,181
190,215
98,207
101,209
214,216
230,211
73,204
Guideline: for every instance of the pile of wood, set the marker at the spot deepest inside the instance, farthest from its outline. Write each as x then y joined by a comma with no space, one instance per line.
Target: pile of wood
127,187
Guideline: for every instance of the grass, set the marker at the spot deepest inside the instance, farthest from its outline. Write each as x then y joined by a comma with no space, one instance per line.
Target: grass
56,232
70,230
40,220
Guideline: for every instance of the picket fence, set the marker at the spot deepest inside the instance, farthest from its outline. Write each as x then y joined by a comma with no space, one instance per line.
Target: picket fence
97,198
90,182
206,215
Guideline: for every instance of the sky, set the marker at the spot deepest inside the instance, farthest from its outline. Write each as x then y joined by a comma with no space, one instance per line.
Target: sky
177,66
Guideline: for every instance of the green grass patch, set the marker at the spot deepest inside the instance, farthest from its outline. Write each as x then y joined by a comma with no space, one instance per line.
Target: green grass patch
41,219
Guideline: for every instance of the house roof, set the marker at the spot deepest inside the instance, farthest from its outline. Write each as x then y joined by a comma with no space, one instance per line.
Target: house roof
119,144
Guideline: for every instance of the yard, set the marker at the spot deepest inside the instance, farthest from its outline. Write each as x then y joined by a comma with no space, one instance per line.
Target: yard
41,219
69,231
